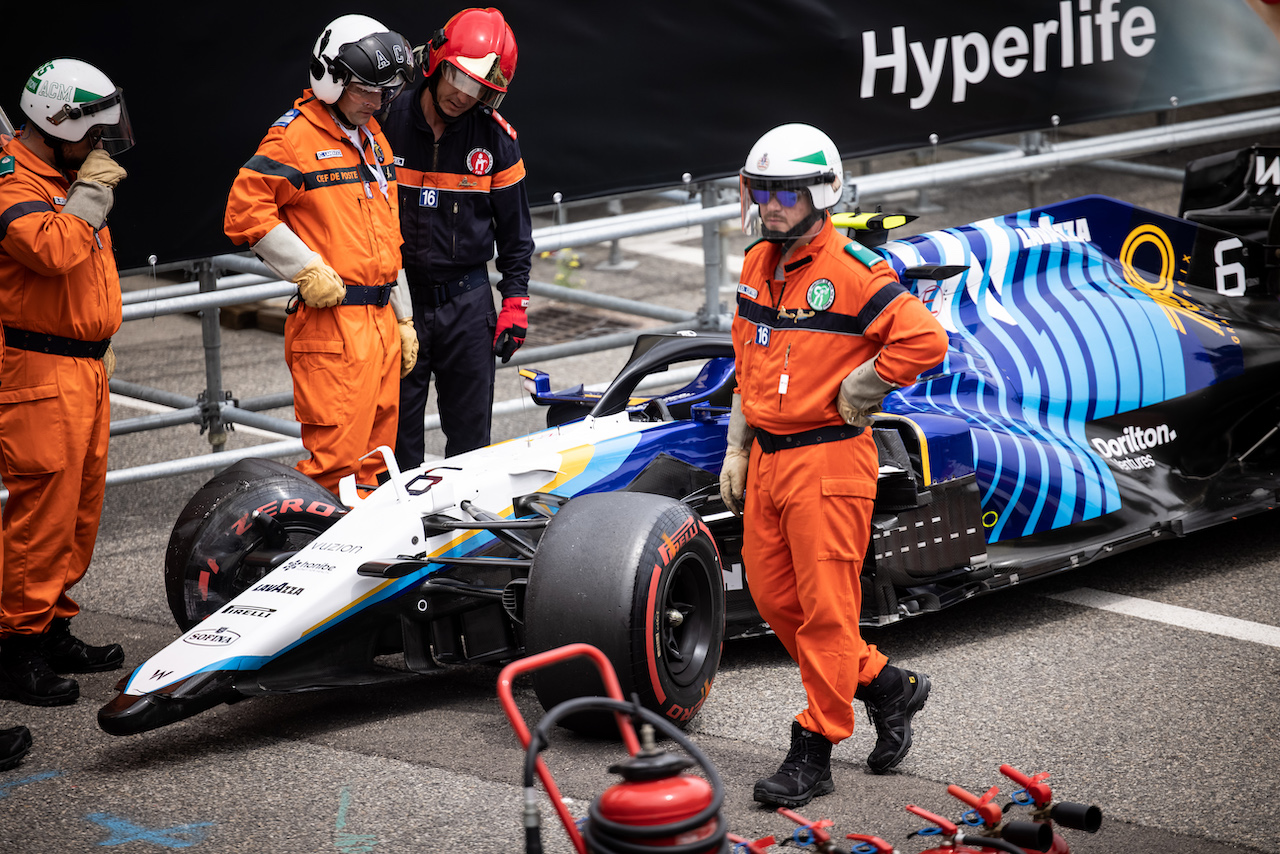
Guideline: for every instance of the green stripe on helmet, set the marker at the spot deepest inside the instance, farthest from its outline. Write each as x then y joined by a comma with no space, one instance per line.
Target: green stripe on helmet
817,157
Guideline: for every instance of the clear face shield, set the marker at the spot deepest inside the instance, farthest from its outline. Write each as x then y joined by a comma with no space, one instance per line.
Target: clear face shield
393,58
114,136
755,191
467,85
6,129
379,96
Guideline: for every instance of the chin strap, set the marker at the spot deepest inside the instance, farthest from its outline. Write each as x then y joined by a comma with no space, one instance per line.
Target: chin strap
789,237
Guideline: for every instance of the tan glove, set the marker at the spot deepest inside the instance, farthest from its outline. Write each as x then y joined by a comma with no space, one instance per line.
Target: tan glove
99,167
733,471
109,361
861,394
319,284
408,347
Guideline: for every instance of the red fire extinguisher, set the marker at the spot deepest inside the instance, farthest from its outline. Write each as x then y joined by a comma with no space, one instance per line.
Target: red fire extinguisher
655,806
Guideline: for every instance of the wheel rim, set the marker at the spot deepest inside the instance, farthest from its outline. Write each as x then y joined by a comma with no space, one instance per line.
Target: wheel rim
241,577
687,614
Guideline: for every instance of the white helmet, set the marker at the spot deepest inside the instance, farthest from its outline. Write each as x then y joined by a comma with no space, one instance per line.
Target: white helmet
66,99
792,158
357,47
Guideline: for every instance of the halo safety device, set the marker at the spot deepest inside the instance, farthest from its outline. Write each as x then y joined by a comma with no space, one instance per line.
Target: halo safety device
784,163
68,100
476,53
357,48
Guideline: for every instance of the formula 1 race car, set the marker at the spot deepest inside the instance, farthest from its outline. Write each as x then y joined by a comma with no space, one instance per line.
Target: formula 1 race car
1112,378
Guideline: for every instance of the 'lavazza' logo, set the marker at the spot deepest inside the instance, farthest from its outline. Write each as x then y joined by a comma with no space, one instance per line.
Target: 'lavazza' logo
1126,451
287,589
1073,38
1047,231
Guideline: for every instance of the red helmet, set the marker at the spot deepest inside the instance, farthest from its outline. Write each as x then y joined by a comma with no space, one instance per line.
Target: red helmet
478,52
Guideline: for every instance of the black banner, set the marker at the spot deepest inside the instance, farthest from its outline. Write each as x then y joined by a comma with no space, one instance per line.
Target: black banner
616,97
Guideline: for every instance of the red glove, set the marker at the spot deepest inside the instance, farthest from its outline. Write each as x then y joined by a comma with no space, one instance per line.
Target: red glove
513,326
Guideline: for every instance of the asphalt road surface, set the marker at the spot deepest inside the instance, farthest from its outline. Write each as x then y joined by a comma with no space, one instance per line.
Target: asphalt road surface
1145,684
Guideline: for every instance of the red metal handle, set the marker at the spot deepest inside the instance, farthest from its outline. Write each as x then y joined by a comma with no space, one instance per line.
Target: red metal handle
989,813
754,846
611,686
947,827
554,656
820,836
875,841
1040,792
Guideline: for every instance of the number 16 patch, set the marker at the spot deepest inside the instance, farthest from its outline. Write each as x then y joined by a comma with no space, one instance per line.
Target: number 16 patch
430,197
762,335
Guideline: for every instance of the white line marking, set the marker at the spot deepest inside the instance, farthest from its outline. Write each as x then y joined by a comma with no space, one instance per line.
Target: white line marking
1173,615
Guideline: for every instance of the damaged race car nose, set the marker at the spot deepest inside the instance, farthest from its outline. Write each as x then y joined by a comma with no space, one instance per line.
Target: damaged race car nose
130,714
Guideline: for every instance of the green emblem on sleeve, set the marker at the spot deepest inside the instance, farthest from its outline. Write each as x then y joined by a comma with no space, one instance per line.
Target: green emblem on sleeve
7,165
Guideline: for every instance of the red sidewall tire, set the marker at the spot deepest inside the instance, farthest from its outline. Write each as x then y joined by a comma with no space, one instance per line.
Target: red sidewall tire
205,564
639,577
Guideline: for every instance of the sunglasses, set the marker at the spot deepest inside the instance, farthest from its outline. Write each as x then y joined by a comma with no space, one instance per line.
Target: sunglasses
786,198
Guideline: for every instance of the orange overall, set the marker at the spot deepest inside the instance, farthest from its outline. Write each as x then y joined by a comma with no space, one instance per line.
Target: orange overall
57,278
344,360
807,510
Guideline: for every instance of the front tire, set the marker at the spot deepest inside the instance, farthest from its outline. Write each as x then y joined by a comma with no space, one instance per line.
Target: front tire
639,577
250,514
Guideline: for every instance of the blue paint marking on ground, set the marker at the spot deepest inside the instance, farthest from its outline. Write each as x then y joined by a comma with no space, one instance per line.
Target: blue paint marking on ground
34,778
350,843
123,831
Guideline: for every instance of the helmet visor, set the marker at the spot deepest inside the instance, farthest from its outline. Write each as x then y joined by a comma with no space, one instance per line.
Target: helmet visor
118,137
6,129
115,136
468,85
758,189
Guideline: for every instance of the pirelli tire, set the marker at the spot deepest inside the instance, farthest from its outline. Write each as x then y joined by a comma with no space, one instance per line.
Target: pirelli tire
639,577
246,518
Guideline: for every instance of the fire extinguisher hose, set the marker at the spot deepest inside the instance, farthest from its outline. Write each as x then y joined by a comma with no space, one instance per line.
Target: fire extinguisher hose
607,837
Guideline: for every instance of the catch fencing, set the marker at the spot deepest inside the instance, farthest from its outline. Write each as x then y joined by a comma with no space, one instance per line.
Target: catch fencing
226,280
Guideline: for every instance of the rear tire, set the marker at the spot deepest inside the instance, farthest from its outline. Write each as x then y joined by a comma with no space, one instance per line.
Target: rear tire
639,577
210,558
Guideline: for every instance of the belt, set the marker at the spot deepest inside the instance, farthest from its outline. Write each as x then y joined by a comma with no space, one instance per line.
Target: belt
39,342
377,295
770,443
434,295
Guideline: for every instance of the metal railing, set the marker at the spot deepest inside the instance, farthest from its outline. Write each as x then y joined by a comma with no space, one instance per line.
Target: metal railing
237,279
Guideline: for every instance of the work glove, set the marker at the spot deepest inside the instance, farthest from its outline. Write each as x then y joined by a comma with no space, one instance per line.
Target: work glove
408,347
90,201
109,361
402,304
861,394
733,471
319,284
513,326
99,167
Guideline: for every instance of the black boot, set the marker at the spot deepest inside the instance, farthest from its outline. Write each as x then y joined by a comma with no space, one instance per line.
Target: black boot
892,699
25,676
14,744
804,775
66,653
